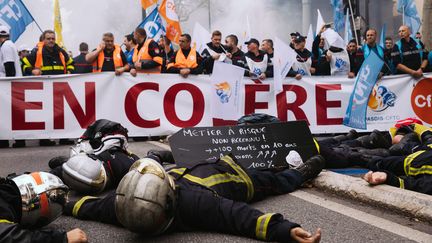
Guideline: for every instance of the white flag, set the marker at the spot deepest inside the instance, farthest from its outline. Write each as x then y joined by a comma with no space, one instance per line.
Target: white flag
333,38
284,58
320,22
310,39
226,80
200,37
348,32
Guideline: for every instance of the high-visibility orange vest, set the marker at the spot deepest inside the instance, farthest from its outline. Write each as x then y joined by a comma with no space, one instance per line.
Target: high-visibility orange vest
118,62
185,62
39,58
143,54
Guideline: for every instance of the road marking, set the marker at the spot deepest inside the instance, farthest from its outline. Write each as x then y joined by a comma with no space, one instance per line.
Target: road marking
370,219
159,144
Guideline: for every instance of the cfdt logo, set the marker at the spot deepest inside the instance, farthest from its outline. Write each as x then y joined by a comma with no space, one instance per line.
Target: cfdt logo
223,90
421,100
381,98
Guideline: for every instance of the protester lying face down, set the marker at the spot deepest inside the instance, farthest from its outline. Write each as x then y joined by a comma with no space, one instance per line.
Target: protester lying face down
98,161
30,201
183,203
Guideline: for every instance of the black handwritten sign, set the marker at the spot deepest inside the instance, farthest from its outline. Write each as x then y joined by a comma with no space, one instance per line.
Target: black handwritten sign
254,146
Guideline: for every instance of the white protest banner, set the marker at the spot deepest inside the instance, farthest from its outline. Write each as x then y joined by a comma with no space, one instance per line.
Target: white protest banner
63,106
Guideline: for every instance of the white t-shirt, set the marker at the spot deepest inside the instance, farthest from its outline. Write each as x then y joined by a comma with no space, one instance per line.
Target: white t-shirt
9,53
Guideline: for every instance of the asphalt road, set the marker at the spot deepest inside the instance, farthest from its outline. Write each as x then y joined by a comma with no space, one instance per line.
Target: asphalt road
338,223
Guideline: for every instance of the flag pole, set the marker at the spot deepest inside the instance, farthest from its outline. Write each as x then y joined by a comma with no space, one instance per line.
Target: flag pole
352,17
403,15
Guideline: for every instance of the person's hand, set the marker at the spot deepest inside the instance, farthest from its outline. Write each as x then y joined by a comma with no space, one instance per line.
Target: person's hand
323,28
184,72
229,55
375,178
76,236
351,75
262,76
298,234
298,76
137,65
133,72
313,70
215,56
119,71
396,139
418,73
36,72
101,46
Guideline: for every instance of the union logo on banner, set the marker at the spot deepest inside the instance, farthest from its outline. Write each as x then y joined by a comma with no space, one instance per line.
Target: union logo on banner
381,98
421,100
223,90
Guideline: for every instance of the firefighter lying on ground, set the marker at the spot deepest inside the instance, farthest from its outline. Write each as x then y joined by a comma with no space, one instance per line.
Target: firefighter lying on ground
30,201
210,196
98,161
411,172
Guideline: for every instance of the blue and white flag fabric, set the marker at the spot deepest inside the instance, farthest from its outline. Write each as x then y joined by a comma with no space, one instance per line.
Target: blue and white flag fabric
383,36
283,60
411,17
348,31
15,16
153,25
226,81
338,15
355,115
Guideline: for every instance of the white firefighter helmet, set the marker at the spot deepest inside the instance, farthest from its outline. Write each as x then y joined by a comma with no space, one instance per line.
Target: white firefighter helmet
85,174
43,196
145,198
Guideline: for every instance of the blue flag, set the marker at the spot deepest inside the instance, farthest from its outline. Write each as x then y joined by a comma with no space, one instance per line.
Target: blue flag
355,115
153,25
383,36
338,15
14,15
411,17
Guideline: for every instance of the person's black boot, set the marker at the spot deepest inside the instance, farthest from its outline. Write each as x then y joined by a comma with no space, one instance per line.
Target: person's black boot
401,148
163,155
375,140
46,142
4,144
19,144
65,141
426,138
311,167
352,134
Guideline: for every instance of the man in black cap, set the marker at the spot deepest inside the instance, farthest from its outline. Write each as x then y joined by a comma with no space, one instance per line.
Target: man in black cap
293,37
257,61
303,63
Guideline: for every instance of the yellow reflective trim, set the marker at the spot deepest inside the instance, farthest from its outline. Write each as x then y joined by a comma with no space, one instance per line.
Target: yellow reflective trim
215,179
425,170
408,160
6,221
179,171
26,62
50,68
250,189
317,145
78,205
401,183
262,225
420,129
393,131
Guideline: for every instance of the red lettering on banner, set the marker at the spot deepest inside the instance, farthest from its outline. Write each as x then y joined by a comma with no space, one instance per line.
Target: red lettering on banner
250,97
131,107
62,91
322,104
19,106
283,106
197,109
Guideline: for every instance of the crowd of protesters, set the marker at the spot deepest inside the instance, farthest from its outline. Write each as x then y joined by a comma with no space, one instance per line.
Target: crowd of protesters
145,55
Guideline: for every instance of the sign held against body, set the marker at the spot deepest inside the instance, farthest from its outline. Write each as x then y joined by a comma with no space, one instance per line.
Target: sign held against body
259,146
